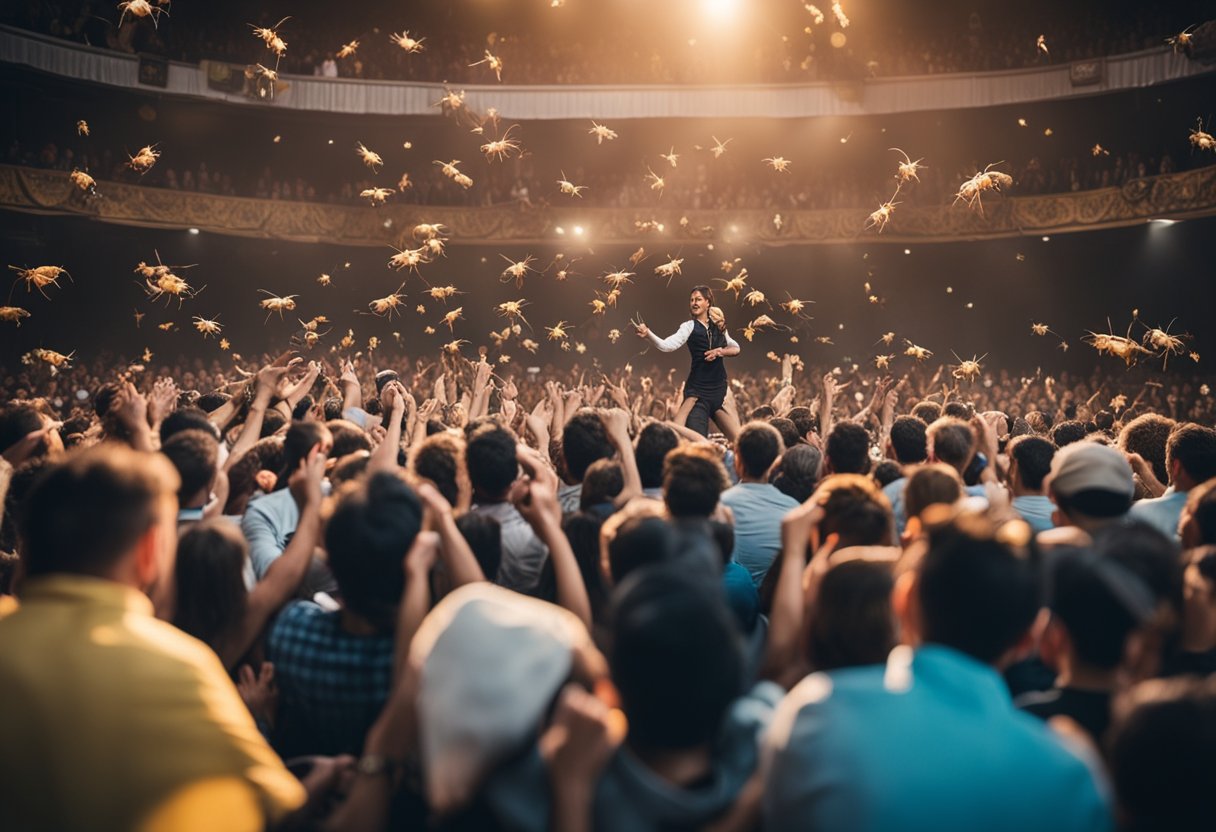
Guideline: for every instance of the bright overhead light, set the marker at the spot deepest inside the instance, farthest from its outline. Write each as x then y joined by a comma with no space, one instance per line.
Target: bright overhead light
193,231
578,230
1164,222
559,230
1046,239
720,10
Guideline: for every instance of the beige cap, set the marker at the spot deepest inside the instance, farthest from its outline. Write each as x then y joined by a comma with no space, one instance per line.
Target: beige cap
1090,466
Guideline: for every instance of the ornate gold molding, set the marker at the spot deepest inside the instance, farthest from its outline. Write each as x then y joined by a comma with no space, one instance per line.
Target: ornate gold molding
1171,196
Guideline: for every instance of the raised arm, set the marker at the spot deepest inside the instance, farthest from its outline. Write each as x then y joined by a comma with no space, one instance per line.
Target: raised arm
672,342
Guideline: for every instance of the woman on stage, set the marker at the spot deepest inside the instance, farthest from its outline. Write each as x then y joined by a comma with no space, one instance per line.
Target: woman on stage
708,343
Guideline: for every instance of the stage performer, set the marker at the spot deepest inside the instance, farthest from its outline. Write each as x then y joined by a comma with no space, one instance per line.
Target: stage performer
705,391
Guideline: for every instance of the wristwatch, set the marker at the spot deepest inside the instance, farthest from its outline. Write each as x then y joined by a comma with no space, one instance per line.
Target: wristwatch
375,765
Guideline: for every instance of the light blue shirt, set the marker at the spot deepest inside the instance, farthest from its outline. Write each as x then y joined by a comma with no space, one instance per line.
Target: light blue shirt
930,741
1162,513
895,493
1036,510
758,509
523,553
268,525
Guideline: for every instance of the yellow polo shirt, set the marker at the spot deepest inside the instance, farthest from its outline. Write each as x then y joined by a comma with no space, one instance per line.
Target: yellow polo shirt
113,720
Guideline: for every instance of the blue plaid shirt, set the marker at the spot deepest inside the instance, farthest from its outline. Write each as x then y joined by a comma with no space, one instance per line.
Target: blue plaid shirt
332,684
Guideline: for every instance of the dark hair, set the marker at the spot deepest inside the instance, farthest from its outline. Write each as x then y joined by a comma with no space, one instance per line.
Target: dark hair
24,477
953,442
639,542
331,408
887,472
301,438
693,480
483,533
1033,454
1149,555
84,514
1162,754
757,447
762,412
786,428
851,623
16,422
602,483
582,529
848,448
266,454
1201,502
1099,603
211,594
654,441
584,440
933,483
212,401
856,510
1093,502
372,527
186,418
490,459
1194,446
194,453
272,423
798,473
1067,432
908,440
438,458
804,420
976,593
349,467
927,412
1148,435
348,438
958,410
676,657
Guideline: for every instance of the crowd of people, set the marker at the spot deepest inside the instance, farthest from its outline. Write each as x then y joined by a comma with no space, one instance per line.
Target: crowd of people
525,183
640,52
434,592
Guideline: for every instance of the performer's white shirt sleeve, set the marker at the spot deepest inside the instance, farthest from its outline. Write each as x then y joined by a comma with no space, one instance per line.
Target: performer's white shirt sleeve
673,342
730,342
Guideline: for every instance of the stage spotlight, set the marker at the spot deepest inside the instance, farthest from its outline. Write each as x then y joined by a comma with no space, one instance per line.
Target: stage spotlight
1046,239
720,10
559,231
192,231
578,231
1163,222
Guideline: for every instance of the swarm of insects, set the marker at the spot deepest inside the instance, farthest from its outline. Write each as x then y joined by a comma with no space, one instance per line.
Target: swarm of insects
559,331
40,277
671,157
434,247
409,44
778,163
429,230
918,353
795,306
614,335
882,216
225,344
718,147
82,128
568,188
452,317
757,324
907,170
1040,329
513,310
736,284
442,293
143,161
1181,41
167,326
452,172
376,196
755,297
270,37
370,157
1119,346
888,338
617,279
140,8
1200,138
56,360
386,306
882,362
501,148
1164,343
656,181
601,133
325,279
973,189
83,181
208,326
1099,150
13,314
493,62
273,303
517,270
348,49
409,258
453,347
669,269
969,369
450,101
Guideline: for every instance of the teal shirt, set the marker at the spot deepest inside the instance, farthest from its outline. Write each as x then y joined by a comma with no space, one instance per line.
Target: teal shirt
930,741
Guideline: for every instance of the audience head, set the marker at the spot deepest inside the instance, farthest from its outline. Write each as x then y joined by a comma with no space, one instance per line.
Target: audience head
928,412
194,453
757,448
798,473
186,418
603,482
851,622
653,444
908,442
786,429
1091,484
1197,525
211,594
584,440
848,449
490,458
951,441
933,483
855,510
1147,435
483,533
440,459
1190,455
693,480
1030,462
